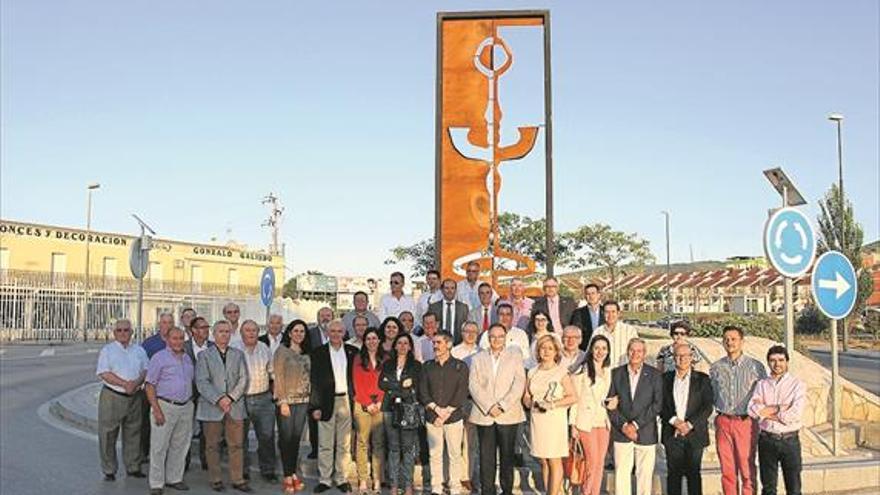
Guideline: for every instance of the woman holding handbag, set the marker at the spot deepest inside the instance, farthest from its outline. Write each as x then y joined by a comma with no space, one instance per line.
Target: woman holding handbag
589,418
402,413
368,411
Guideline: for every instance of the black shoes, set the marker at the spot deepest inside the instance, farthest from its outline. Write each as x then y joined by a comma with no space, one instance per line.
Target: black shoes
109,477
218,486
179,486
344,488
136,474
321,488
243,487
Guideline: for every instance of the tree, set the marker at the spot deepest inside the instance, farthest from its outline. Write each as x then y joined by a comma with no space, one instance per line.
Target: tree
420,256
289,289
523,235
839,231
600,246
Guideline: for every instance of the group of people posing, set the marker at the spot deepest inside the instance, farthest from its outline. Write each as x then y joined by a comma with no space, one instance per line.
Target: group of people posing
473,387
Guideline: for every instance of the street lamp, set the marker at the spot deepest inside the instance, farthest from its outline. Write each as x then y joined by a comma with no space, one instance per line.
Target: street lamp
668,303
838,118
90,187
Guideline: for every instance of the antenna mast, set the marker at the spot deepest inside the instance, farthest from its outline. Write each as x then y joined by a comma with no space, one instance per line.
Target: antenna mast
274,221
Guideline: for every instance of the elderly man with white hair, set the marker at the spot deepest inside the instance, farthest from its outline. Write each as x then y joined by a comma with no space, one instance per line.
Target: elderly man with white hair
572,355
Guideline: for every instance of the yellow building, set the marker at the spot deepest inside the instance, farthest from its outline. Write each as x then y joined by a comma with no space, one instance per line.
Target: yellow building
44,261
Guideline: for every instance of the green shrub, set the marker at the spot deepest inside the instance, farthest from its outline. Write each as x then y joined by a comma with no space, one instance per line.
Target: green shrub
761,325
811,321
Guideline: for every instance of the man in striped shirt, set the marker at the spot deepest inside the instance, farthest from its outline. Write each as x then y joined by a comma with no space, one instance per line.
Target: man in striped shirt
733,381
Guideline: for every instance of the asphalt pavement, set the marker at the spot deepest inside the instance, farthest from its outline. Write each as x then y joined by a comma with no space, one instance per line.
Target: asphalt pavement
861,368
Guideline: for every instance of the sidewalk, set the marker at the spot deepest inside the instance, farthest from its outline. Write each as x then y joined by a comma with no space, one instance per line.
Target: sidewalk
856,353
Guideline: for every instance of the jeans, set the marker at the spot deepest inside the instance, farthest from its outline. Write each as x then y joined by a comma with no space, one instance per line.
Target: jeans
290,431
261,414
402,446
773,452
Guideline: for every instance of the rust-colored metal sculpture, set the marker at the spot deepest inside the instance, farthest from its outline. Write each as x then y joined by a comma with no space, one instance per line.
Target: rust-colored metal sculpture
472,59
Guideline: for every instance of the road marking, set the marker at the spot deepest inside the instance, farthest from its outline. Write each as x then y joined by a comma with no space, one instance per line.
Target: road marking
47,352
92,351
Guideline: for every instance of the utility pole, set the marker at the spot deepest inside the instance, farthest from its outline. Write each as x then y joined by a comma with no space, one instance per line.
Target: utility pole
91,187
838,119
274,221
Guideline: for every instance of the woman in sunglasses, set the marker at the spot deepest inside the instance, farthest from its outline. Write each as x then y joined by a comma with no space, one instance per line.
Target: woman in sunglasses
679,331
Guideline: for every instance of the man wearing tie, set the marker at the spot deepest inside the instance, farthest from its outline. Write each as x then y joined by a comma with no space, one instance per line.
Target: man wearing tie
484,314
452,313
590,316
558,307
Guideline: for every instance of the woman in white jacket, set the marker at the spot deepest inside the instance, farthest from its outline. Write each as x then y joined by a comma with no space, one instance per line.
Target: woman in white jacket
589,417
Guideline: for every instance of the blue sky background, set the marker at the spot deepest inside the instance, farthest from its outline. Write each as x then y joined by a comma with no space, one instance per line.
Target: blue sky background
189,112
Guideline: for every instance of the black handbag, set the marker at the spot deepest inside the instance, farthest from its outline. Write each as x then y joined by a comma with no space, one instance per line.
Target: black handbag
408,415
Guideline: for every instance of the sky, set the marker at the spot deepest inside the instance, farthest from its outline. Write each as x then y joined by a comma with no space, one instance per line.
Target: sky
189,113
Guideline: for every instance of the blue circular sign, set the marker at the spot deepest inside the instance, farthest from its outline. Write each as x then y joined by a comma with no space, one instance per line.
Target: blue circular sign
834,285
267,286
789,242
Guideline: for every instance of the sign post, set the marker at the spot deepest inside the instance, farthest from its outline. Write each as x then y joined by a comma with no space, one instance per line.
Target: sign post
834,289
267,289
790,245
139,263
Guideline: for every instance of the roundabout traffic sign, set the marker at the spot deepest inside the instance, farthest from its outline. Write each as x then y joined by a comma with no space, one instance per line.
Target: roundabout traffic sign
789,242
834,285
267,286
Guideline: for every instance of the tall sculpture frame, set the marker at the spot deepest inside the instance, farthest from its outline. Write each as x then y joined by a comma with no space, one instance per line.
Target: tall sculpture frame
525,17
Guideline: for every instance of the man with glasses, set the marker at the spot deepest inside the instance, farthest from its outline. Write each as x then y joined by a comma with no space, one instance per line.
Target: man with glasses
515,336
558,307
392,304
571,347
122,367
467,289
232,313
272,337
521,304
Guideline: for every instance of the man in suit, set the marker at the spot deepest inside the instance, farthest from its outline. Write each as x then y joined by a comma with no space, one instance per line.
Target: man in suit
497,381
452,313
687,405
221,379
558,307
272,337
197,344
330,405
590,316
484,314
636,400
317,337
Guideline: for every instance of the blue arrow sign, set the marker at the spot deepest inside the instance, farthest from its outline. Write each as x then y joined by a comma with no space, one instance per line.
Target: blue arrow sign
789,242
267,286
834,285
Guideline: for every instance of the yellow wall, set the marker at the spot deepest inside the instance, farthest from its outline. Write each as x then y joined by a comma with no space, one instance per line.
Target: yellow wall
28,246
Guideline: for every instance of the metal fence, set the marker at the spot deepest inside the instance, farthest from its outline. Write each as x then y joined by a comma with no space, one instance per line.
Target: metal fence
40,306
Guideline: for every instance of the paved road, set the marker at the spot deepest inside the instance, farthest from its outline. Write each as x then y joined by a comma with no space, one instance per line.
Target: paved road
864,371
36,457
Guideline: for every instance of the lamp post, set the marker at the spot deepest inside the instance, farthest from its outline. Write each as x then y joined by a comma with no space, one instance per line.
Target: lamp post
89,188
838,119
668,299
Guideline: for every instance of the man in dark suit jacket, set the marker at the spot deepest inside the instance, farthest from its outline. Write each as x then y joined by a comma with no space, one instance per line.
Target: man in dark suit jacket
560,308
687,405
274,331
199,329
590,316
452,313
636,396
330,405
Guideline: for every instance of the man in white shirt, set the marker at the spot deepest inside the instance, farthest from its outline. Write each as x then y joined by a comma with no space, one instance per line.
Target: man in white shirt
359,328
470,454
395,302
617,332
197,344
516,337
452,312
361,302
272,337
571,347
122,367
467,289
484,313
258,401
431,295
232,313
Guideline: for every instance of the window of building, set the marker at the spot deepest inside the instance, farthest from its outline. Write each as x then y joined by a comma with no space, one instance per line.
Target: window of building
196,277
4,258
232,279
59,267
154,275
109,272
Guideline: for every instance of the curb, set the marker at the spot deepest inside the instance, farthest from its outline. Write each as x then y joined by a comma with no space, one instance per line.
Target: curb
62,412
